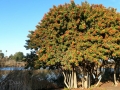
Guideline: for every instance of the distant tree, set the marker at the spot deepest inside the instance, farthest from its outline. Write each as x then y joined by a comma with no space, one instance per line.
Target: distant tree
1,55
11,57
30,59
18,56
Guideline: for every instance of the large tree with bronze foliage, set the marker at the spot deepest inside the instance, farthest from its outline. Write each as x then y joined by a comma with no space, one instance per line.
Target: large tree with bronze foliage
71,36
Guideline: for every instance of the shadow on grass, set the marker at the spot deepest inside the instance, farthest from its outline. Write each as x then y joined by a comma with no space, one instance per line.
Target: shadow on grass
108,76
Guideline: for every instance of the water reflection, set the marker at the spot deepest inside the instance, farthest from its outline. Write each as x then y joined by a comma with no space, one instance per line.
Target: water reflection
11,68
4,71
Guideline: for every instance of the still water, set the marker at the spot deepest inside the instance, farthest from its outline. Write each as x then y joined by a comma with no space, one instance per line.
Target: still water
11,68
4,71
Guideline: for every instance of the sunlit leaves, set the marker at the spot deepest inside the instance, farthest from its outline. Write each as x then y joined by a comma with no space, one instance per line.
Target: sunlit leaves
70,33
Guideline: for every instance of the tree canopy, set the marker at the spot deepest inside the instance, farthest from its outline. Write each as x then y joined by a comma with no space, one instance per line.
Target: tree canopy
70,33
18,56
1,55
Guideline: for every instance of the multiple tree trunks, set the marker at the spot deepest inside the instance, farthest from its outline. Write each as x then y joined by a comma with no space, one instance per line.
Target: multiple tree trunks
86,81
70,78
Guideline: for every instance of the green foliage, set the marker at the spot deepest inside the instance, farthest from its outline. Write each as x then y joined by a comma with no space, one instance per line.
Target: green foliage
31,61
70,33
1,55
11,57
66,88
18,56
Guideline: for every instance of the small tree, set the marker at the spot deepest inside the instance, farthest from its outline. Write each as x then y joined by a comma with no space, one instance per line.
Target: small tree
1,55
11,57
18,56
30,59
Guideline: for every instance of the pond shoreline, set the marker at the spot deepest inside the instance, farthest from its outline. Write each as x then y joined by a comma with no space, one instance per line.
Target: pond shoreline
12,63
11,68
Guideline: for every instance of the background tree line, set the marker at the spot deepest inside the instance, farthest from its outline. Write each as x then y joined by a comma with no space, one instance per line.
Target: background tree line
18,56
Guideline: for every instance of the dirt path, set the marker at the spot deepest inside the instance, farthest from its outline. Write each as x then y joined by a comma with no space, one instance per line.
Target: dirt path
103,86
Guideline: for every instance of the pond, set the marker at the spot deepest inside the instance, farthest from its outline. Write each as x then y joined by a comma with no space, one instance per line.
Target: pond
11,68
4,71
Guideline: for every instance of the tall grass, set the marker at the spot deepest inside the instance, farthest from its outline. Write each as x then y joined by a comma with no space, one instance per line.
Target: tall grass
11,63
32,80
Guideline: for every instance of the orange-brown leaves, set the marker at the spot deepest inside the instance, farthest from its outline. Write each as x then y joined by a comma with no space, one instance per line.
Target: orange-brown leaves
71,33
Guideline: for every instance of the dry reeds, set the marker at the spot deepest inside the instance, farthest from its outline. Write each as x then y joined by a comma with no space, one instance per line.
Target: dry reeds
11,63
27,80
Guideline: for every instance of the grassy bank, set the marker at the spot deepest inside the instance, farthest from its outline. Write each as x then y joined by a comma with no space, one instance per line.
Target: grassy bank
11,63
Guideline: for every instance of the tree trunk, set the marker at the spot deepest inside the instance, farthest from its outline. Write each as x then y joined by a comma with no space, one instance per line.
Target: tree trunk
118,72
115,69
75,80
70,79
99,76
83,82
86,81
98,81
89,78
65,80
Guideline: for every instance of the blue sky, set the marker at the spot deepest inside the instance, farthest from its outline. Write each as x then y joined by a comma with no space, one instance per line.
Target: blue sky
17,17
